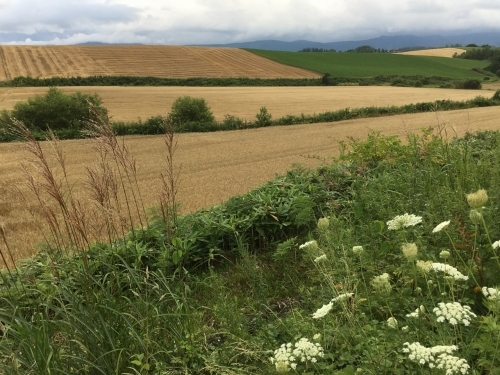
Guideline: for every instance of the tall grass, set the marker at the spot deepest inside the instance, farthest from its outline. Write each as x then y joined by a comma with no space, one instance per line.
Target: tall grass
316,264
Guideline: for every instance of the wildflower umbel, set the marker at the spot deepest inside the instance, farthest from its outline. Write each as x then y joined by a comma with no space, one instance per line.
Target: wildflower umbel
410,251
320,259
403,221
441,226
309,246
493,294
449,270
438,357
392,322
323,223
357,250
325,309
477,199
454,313
424,265
322,311
287,355
381,283
445,254
496,244
420,310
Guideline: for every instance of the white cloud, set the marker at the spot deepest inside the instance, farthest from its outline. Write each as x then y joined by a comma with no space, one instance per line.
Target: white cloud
223,21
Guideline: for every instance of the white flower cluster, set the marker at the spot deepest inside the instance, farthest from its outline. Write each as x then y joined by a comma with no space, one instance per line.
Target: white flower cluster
496,244
342,297
283,358
322,311
441,226
437,357
381,283
493,294
454,313
307,351
449,270
403,221
309,245
287,355
417,312
357,250
392,322
325,309
321,258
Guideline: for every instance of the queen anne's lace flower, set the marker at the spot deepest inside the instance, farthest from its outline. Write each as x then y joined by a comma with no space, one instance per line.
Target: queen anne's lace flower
409,250
477,199
325,309
357,250
493,294
496,244
321,258
420,310
392,322
424,265
449,270
309,245
436,357
323,223
441,226
283,358
307,351
342,297
403,221
454,313
322,311
381,283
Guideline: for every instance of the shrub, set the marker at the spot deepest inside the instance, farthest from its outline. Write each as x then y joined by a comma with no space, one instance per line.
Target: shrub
470,84
187,109
60,112
263,117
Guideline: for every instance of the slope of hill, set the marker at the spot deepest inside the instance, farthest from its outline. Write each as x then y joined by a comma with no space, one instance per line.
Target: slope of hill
385,42
145,61
375,64
438,52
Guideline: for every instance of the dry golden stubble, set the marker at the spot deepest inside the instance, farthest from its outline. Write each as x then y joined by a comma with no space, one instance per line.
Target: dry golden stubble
215,166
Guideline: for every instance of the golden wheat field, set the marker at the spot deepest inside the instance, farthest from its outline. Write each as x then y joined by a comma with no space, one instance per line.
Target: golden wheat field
143,61
213,166
131,103
438,52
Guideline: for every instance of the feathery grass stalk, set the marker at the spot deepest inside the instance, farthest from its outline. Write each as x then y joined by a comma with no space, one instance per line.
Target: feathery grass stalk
170,180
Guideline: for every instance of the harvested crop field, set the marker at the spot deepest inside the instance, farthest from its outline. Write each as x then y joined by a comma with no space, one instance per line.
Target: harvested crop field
216,166
439,52
141,61
131,103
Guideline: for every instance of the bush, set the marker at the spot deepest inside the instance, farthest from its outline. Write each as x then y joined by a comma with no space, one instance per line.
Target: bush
263,118
470,84
186,109
63,113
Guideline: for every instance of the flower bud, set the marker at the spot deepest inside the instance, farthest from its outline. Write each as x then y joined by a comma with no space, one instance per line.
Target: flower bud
477,199
475,216
323,223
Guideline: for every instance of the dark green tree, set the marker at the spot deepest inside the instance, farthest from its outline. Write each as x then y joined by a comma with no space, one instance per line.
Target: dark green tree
55,110
186,109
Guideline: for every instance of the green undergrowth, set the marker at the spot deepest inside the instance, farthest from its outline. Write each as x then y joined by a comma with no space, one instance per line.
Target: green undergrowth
309,265
156,124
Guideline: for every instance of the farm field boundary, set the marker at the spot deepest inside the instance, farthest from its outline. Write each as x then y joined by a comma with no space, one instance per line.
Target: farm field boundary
217,166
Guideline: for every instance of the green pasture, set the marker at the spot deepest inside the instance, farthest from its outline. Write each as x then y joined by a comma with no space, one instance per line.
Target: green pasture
376,64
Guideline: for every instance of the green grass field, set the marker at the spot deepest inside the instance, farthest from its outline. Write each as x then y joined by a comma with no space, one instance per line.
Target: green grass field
375,64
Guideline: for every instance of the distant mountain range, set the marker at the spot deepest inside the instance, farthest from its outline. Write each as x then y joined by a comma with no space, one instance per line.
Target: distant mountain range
390,42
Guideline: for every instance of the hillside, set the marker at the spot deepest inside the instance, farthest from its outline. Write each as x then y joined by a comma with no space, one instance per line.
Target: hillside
144,61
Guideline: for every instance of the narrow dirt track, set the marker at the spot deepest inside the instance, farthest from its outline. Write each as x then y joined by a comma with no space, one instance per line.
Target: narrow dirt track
216,166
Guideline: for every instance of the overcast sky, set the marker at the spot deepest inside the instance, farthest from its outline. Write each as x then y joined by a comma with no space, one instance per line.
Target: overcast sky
226,21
